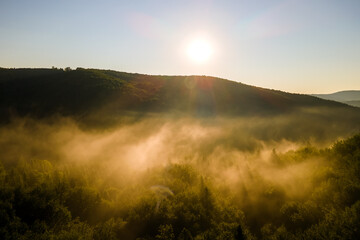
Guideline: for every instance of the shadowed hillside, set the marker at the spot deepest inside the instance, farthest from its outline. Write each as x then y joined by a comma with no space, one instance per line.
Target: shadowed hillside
98,154
89,92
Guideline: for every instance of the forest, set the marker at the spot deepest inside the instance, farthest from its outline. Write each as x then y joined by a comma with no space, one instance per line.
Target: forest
178,179
100,154
179,120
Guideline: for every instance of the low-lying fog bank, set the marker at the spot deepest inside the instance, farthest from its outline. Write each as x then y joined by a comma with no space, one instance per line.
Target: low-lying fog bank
167,178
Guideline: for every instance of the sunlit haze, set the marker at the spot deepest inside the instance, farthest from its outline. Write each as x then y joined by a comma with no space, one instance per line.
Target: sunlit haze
291,45
180,119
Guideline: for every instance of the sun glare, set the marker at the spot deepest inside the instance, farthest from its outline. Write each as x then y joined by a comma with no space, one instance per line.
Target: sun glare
199,50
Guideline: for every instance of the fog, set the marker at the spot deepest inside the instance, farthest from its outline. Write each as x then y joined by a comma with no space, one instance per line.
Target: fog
237,157
153,142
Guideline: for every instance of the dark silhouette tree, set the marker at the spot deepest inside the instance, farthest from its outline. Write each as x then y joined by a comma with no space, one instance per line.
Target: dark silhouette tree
239,235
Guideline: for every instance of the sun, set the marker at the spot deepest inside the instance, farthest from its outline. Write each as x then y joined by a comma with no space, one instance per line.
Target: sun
199,50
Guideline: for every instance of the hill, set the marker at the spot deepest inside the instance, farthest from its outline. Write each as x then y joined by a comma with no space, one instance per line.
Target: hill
85,92
350,97
172,157
355,103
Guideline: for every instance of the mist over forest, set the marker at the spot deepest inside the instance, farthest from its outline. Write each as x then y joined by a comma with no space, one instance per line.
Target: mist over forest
128,156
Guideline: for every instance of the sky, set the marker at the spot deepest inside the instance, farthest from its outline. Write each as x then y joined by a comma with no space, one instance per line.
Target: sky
300,46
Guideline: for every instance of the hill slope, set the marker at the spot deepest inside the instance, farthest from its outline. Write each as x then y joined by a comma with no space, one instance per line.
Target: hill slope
351,97
100,94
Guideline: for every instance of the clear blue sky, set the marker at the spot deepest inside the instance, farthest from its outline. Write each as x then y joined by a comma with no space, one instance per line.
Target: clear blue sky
306,46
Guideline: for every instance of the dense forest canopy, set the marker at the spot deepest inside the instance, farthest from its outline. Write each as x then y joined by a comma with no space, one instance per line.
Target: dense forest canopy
181,180
92,92
99,154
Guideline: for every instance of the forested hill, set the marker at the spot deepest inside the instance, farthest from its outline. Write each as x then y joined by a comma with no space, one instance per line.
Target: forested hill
82,92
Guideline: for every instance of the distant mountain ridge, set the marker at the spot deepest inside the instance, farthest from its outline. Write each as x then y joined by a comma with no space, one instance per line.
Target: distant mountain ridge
84,92
351,97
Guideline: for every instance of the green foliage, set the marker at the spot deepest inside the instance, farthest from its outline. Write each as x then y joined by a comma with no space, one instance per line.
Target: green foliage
185,235
89,93
40,199
52,199
165,233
